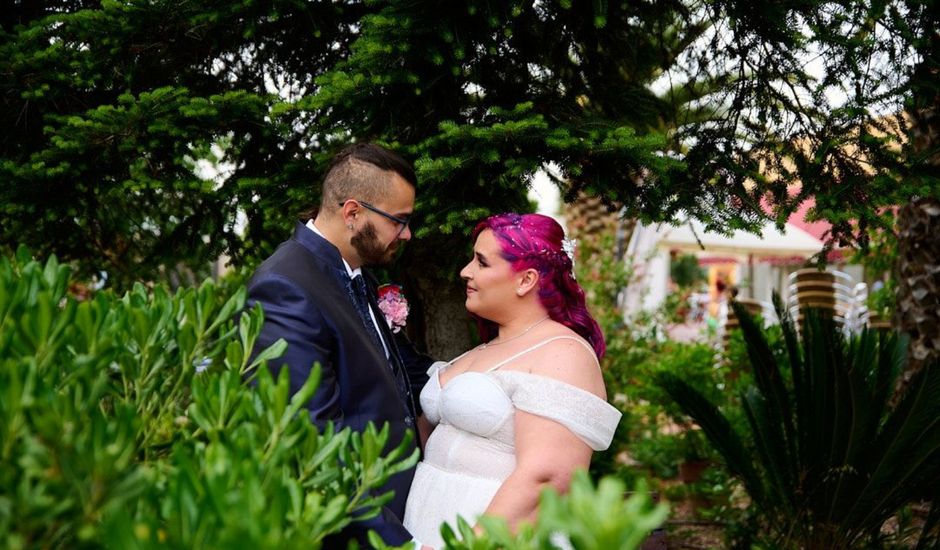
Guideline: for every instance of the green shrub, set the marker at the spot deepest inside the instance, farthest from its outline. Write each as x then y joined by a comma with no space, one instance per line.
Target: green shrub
592,518
630,372
685,271
125,422
656,434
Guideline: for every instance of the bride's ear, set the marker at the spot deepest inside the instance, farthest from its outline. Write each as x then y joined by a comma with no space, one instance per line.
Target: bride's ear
527,281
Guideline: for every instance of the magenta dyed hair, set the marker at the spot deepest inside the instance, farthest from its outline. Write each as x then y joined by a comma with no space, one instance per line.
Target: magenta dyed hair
534,241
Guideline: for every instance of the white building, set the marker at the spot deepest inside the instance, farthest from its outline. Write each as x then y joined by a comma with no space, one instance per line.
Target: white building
756,264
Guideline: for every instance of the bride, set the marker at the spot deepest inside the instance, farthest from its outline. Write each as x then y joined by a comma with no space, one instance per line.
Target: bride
526,408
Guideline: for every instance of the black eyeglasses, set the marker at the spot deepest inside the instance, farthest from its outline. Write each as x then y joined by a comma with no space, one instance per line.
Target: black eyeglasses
401,221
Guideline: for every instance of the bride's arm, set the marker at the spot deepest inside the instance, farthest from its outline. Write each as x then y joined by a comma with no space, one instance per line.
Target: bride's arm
547,454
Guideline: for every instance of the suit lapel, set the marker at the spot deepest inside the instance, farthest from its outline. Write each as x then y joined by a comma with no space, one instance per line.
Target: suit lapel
394,356
331,263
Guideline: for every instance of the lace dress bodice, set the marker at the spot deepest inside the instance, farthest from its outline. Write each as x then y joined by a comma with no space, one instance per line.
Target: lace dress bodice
472,449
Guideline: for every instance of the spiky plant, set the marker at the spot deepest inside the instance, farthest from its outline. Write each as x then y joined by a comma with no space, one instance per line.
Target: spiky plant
824,457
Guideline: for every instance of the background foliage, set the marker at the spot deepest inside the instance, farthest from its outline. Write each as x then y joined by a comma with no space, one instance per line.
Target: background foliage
110,105
679,108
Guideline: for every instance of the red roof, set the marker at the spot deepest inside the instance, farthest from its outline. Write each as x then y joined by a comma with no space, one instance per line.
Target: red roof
818,229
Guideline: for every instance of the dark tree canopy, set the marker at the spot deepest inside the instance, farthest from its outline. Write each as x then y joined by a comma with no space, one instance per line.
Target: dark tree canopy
713,110
107,107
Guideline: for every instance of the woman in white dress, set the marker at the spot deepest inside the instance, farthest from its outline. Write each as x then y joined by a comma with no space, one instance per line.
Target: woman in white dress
526,408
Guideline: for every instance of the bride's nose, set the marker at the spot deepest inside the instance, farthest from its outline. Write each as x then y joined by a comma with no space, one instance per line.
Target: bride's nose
465,273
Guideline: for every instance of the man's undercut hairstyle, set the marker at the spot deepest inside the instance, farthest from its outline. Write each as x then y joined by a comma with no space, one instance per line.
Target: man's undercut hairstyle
359,172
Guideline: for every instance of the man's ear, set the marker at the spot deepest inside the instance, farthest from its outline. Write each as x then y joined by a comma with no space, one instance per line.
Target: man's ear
349,211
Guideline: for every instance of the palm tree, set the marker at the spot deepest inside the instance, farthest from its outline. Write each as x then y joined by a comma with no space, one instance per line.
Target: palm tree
824,457
918,261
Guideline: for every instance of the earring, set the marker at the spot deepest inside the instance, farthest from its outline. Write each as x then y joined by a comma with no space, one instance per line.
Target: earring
349,227
519,291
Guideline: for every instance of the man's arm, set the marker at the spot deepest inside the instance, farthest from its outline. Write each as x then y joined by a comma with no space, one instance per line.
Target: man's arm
416,363
289,314
386,525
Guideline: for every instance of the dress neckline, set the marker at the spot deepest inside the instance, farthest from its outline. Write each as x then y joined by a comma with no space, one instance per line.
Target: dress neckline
511,372
493,369
514,357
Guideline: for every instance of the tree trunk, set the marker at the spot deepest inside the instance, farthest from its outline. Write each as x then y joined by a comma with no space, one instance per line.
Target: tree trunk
918,277
438,322
448,328
918,261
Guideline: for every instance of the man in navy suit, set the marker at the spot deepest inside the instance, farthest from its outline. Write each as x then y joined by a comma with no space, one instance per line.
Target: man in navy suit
316,296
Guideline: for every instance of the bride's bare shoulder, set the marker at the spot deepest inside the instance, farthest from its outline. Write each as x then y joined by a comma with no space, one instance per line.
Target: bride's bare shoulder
569,358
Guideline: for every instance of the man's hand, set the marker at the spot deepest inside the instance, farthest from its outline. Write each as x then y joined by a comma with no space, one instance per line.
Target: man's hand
424,432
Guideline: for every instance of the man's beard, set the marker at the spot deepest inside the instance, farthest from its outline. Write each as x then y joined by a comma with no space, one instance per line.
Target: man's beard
370,251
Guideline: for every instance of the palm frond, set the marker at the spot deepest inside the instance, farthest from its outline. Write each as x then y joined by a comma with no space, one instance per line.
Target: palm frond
832,459
766,434
908,449
718,430
778,418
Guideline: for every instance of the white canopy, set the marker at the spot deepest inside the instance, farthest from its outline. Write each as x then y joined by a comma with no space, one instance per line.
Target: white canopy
793,241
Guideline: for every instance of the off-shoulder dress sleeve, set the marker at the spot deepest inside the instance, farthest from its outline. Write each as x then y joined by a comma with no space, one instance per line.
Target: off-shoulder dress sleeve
589,417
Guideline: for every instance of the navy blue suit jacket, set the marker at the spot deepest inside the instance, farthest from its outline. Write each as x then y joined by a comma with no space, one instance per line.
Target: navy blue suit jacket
301,291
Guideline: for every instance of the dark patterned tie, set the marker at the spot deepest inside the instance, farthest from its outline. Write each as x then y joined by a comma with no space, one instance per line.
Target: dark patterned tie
361,299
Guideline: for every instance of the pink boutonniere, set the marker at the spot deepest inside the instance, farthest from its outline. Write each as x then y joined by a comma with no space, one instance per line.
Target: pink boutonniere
394,306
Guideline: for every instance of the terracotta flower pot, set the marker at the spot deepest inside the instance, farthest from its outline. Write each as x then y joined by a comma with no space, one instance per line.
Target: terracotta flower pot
690,471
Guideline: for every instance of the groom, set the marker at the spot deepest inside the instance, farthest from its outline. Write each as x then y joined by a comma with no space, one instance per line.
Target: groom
316,296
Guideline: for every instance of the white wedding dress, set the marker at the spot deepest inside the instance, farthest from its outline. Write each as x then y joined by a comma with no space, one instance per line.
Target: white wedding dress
471,451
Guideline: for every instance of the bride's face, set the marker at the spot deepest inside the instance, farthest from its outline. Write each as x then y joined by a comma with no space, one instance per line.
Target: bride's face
491,282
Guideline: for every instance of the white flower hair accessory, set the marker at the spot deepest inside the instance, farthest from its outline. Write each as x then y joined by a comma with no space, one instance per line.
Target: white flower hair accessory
569,246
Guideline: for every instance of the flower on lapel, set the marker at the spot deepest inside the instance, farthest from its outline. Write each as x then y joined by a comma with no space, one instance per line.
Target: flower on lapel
394,306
